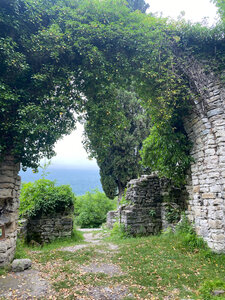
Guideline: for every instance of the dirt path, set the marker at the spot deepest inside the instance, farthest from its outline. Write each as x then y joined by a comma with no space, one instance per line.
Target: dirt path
83,271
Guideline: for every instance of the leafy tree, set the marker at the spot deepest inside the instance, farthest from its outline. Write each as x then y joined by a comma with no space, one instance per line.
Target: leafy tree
91,209
117,153
221,8
138,5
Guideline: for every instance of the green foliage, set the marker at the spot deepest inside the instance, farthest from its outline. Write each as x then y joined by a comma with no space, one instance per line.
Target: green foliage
91,209
20,249
188,236
152,213
52,54
184,226
173,213
43,197
167,152
114,135
118,232
123,200
60,57
3,271
221,8
207,288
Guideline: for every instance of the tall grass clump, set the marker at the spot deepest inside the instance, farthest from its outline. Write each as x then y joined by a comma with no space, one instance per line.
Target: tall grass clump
188,237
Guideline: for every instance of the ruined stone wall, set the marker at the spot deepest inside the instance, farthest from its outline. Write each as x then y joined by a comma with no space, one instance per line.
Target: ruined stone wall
9,204
143,214
47,228
206,129
148,198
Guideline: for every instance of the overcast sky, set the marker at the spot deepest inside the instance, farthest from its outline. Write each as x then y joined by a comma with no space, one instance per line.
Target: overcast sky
70,152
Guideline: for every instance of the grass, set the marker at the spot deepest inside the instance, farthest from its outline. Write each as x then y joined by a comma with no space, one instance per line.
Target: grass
153,267
160,266
3,271
22,249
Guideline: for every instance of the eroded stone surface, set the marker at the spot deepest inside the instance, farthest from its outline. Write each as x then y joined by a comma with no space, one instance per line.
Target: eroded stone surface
26,285
48,228
108,269
107,293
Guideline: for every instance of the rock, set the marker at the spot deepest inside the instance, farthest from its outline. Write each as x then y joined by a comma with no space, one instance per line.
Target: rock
218,292
19,265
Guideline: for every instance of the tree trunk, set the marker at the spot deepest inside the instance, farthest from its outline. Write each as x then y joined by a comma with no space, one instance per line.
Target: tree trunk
9,204
120,192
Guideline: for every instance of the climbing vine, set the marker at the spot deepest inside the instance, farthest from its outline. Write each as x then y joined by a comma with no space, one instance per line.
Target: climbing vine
170,95
60,57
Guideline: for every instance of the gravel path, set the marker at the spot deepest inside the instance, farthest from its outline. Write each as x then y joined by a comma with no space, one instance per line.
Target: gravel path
30,284
24,285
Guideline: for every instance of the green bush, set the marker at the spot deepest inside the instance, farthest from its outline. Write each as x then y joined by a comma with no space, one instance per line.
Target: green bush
118,231
188,236
206,290
42,197
91,209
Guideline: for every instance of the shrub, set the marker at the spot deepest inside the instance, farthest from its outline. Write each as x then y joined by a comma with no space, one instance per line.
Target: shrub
209,286
91,209
118,231
188,236
42,197
172,213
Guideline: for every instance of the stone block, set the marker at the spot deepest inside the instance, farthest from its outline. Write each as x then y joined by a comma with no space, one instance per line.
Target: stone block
215,188
208,196
215,224
218,238
3,247
19,265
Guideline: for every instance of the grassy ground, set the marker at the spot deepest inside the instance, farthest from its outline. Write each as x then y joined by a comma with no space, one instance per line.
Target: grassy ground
159,267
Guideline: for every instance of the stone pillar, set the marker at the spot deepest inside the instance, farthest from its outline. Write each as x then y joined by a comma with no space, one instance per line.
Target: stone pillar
9,204
206,130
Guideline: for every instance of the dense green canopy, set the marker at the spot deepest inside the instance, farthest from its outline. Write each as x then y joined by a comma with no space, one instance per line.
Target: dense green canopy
54,55
58,57
114,137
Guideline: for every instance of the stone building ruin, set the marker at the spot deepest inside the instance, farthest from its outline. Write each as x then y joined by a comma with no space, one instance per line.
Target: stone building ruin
45,229
149,200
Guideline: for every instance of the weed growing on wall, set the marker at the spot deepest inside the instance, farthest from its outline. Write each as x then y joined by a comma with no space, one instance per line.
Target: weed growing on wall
188,237
118,232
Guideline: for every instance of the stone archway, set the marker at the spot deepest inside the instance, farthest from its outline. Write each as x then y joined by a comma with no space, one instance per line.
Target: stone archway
205,127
